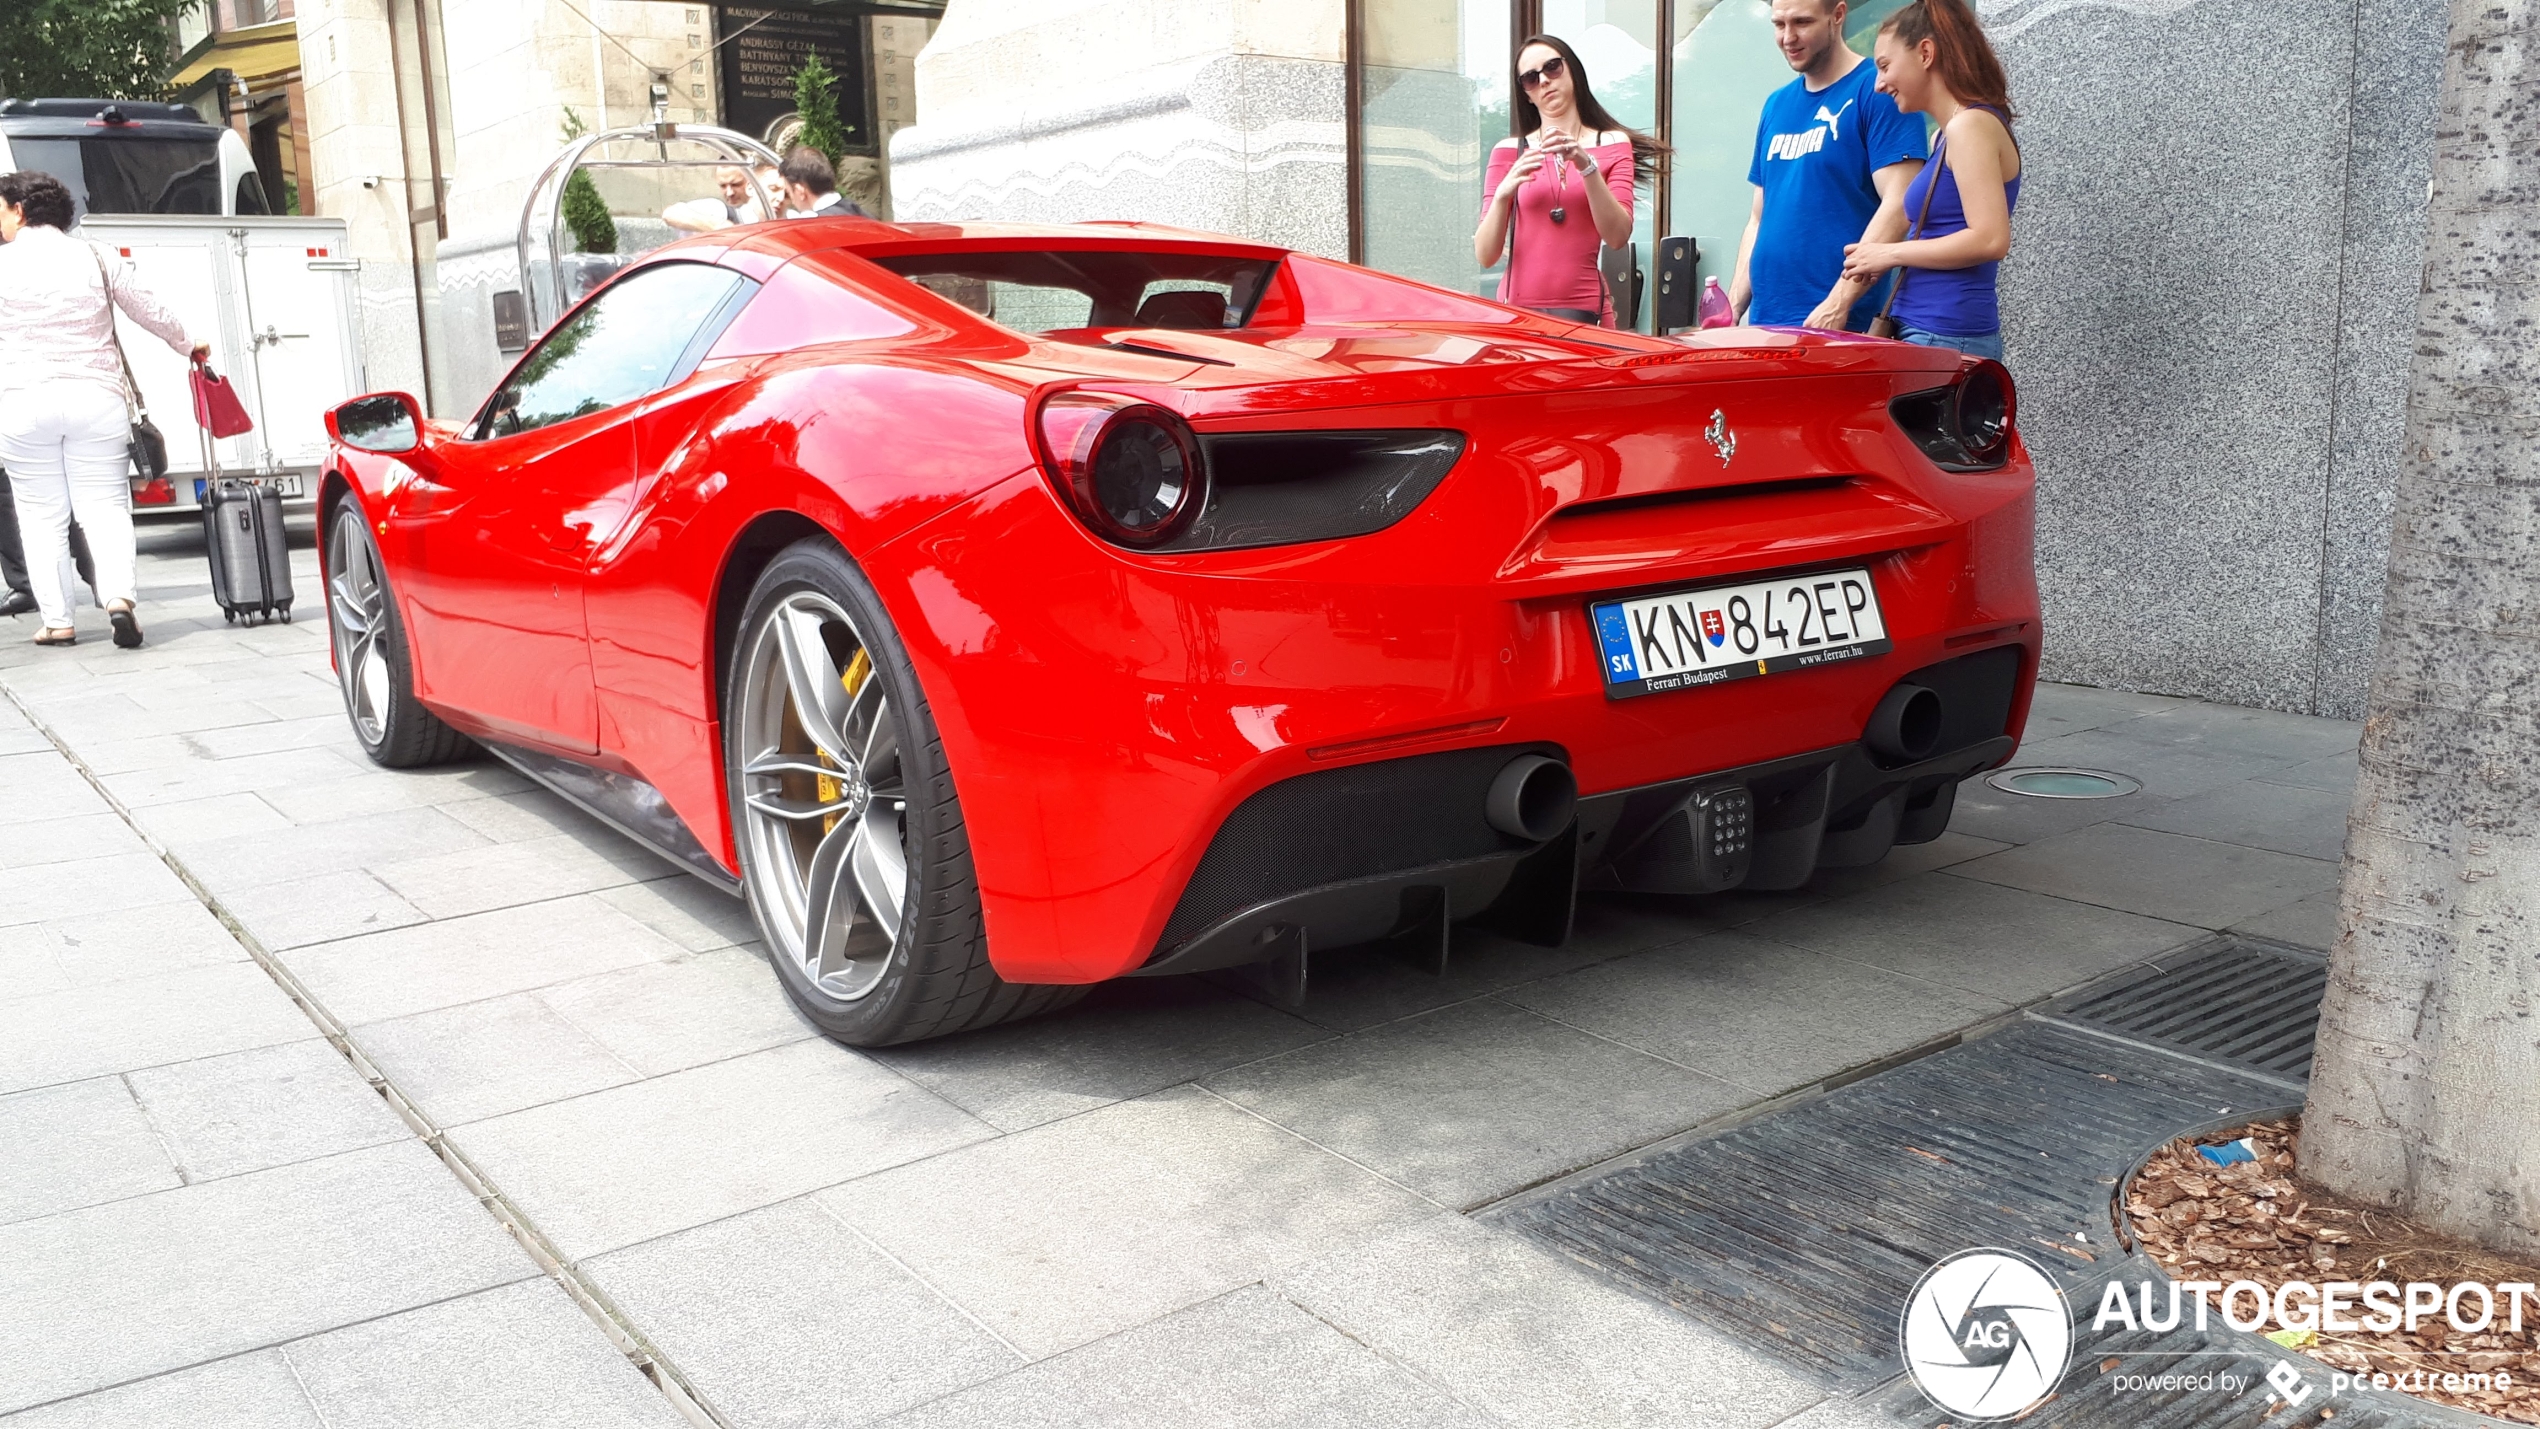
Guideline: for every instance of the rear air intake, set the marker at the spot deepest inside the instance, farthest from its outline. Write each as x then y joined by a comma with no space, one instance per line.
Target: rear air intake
1281,488
1354,822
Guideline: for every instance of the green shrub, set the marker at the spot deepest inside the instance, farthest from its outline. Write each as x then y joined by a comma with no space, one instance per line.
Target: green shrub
586,214
816,99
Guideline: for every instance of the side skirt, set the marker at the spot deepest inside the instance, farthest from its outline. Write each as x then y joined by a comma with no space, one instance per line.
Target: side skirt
624,803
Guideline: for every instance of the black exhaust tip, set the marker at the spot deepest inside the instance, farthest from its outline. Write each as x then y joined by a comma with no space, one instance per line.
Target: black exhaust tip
1532,798
1906,725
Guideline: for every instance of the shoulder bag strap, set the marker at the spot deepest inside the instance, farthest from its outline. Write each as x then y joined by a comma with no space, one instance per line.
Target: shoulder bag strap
132,397
1939,161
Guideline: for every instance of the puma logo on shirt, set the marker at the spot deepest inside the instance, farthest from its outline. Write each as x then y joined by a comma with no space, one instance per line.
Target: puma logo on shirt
1808,141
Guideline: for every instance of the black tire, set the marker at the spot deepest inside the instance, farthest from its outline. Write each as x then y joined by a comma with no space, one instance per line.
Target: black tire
935,977
392,726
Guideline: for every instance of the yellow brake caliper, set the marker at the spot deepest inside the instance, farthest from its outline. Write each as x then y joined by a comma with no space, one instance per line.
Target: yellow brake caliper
859,670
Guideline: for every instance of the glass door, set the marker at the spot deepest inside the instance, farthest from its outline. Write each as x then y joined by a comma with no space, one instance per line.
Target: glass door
1433,98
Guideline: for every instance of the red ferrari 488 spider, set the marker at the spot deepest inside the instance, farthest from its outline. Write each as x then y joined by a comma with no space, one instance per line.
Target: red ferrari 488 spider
1006,609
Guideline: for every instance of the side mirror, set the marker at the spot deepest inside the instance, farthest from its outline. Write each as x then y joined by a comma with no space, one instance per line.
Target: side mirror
385,422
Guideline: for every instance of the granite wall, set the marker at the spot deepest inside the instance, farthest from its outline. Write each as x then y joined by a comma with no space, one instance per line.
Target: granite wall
2209,307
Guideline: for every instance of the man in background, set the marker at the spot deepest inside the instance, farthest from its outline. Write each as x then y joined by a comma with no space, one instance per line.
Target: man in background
1832,159
811,187
734,203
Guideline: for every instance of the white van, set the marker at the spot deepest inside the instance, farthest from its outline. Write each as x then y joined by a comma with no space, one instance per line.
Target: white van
274,295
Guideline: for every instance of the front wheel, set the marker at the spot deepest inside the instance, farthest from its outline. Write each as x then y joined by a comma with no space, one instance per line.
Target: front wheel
851,841
371,662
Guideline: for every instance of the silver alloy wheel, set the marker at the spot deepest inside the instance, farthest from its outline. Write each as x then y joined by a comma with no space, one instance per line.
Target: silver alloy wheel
823,796
359,614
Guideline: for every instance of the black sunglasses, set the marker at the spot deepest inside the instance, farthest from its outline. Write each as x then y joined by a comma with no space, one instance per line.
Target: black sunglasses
1534,78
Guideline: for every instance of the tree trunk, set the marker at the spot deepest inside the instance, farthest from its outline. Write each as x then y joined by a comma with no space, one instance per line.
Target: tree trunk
2426,1093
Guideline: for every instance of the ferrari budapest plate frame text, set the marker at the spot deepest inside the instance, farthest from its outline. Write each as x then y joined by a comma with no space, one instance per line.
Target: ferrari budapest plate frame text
1679,639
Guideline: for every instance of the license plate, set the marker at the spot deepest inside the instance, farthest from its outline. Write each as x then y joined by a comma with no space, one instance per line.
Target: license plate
289,483
1685,638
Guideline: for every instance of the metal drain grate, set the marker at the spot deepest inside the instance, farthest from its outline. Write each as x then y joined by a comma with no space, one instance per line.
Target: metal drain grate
2229,998
1802,1232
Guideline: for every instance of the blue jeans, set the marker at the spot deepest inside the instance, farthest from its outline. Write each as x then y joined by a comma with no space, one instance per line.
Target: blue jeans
1987,344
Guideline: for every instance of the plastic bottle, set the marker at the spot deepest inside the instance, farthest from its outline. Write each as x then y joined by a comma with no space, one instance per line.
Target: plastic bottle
1715,310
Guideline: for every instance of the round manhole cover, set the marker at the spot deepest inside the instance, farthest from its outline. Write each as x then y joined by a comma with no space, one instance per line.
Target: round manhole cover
2062,783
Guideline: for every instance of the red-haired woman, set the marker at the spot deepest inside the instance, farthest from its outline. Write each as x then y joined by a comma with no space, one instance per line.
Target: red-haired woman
1560,191
1933,56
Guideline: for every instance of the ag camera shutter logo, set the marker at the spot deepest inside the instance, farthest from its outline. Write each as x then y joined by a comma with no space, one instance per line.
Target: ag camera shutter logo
1987,1335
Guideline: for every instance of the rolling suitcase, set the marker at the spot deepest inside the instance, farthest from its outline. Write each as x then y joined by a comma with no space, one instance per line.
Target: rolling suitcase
251,564
242,520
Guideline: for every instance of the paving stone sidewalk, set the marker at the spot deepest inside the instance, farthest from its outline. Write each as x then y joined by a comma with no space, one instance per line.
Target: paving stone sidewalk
1172,1205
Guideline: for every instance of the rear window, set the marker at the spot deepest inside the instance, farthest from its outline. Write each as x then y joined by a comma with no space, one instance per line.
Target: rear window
1051,289
129,174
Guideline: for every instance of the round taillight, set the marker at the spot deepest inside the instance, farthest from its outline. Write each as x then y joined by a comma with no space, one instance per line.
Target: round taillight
1982,410
1130,470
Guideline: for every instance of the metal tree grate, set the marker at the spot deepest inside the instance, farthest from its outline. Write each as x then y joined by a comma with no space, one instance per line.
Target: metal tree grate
1803,1232
2229,998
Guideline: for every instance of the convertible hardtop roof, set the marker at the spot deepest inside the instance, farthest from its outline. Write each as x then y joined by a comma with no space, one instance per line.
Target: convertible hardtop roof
867,237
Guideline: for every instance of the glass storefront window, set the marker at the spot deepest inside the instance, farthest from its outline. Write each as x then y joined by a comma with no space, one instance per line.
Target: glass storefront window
1433,91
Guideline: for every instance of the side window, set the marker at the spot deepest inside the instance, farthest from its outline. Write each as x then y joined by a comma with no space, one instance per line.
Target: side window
807,302
633,339
251,193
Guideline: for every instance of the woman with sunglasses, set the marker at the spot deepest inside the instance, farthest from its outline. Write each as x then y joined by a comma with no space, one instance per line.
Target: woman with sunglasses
1561,190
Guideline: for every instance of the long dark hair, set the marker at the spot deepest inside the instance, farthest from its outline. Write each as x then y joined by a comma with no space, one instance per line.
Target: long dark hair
1647,152
1961,53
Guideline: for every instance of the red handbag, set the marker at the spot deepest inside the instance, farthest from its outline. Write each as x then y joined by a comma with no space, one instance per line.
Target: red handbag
217,409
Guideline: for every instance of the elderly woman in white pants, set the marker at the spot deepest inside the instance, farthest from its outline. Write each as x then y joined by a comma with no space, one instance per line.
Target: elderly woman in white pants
63,423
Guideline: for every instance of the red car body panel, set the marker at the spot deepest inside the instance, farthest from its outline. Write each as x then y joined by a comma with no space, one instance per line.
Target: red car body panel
1103,710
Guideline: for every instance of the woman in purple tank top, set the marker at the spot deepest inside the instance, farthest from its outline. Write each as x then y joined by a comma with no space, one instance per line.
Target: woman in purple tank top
1933,56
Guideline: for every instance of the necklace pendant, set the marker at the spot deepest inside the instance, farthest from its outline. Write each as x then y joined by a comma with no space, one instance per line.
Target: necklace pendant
1560,215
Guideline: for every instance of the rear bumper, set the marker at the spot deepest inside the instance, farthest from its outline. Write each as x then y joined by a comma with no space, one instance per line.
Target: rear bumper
1400,849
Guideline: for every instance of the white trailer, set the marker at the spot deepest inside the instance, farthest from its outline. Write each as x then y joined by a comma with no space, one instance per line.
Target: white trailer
273,295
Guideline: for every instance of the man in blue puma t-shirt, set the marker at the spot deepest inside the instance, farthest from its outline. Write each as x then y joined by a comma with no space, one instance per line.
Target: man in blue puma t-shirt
1832,159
